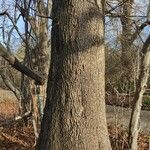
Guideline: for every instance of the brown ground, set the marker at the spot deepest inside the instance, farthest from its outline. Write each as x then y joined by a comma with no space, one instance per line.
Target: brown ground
17,137
20,137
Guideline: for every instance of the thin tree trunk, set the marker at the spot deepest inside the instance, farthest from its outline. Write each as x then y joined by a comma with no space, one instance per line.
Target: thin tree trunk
140,89
37,58
74,116
126,56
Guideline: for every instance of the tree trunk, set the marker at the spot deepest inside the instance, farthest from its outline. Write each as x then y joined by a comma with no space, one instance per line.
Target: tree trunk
140,89
41,50
126,56
74,116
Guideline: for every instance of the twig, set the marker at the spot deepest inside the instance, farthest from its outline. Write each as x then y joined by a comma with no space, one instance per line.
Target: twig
16,119
14,139
113,8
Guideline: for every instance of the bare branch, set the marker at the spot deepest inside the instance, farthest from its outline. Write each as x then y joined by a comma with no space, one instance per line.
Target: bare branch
116,15
16,28
113,8
138,31
14,62
3,13
16,119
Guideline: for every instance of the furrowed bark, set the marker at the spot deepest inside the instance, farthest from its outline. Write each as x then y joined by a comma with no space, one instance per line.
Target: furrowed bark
74,116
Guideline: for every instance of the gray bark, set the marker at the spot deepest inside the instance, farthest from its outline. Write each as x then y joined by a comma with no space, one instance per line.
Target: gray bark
74,116
134,125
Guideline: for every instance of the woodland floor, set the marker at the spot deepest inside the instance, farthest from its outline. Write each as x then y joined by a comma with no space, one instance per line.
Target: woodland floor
21,137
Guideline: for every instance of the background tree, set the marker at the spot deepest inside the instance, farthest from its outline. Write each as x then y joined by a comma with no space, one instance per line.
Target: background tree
37,37
134,125
131,34
141,86
36,43
126,56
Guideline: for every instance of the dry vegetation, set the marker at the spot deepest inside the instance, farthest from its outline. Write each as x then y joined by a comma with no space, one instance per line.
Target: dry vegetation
21,137
8,105
17,137
118,138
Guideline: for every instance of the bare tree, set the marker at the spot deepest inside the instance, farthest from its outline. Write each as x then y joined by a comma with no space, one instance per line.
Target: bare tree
134,125
140,89
36,42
